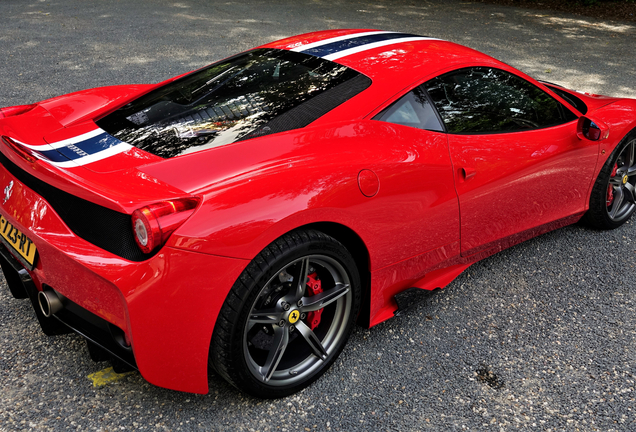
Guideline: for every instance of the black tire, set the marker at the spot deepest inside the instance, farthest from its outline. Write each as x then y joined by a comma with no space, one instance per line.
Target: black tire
613,198
263,342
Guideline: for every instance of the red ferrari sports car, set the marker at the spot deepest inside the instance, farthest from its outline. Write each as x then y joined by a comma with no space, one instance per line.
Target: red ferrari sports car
243,217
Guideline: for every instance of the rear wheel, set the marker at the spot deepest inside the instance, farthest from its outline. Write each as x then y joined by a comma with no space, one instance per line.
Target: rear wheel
613,198
288,316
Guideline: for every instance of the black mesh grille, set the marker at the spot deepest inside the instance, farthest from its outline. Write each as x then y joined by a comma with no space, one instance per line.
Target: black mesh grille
101,226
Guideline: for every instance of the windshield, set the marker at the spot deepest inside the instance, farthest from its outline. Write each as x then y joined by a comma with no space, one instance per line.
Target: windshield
252,94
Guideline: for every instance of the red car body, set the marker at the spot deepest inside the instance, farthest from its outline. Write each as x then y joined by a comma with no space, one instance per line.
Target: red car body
415,207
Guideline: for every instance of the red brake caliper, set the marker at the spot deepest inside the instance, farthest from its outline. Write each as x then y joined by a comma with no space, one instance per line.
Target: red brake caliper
313,287
610,189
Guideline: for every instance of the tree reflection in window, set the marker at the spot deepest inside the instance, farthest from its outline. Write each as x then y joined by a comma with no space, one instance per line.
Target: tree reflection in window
488,100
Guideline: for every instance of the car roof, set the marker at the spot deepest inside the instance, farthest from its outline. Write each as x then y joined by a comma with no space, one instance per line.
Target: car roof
388,58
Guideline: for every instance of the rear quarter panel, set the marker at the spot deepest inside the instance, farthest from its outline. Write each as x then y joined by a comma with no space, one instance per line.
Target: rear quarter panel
265,187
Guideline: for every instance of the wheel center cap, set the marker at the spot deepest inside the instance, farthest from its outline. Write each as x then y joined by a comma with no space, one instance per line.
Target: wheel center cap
625,178
293,316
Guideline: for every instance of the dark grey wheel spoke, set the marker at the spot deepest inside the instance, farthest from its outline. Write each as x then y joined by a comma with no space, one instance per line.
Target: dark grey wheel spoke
312,340
323,299
631,156
279,345
301,279
268,316
618,202
630,193
630,166
616,181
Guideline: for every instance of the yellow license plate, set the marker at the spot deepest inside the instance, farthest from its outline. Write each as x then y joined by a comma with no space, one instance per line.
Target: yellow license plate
18,242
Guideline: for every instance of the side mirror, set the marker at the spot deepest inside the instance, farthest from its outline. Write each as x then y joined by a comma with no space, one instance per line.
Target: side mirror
592,130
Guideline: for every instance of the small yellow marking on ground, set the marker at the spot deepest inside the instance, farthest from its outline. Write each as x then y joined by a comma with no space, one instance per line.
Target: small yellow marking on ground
106,376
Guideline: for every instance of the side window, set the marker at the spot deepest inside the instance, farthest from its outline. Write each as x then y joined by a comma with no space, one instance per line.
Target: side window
488,100
412,109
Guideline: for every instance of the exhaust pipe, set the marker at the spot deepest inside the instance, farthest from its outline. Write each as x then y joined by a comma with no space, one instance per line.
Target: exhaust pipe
50,303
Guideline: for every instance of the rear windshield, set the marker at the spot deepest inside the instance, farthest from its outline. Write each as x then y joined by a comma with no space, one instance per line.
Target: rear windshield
252,94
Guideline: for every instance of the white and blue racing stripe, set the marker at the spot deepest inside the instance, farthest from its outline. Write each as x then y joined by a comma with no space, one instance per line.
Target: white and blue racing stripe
80,150
342,46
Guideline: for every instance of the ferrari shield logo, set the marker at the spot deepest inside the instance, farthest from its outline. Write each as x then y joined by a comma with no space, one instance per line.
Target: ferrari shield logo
293,317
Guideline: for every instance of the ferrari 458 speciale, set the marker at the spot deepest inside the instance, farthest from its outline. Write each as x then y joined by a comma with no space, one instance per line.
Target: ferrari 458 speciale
243,217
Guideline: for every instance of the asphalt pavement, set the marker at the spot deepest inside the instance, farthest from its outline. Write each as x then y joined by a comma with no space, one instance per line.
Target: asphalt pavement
539,337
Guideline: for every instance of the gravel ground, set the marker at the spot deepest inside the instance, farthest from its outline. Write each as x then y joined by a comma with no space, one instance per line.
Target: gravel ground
539,337
604,9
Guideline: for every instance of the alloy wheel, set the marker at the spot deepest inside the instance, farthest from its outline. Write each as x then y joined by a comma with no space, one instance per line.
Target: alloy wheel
298,320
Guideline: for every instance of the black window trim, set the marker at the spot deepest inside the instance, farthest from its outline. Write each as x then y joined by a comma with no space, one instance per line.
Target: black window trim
430,100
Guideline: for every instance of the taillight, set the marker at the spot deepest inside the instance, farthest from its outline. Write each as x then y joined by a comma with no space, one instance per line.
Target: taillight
23,152
15,110
153,224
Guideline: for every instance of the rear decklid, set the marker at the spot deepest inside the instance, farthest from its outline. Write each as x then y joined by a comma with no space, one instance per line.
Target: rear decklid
81,160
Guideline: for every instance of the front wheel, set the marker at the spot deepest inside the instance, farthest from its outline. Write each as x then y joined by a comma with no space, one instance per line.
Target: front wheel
288,316
613,198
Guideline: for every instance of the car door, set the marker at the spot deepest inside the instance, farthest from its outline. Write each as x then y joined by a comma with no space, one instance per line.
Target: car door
418,202
518,163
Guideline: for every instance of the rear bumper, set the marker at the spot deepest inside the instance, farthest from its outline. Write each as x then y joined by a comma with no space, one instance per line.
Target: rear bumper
72,318
157,315
170,319
21,286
